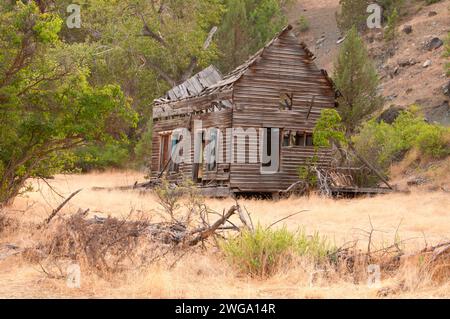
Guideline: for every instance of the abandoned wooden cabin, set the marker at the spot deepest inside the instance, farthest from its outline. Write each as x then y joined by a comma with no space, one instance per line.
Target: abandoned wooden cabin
279,88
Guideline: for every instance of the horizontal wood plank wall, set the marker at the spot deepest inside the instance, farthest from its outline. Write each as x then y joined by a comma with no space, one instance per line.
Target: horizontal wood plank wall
283,67
165,125
218,119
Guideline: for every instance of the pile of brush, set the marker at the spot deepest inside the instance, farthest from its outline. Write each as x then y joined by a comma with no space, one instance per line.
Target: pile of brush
110,245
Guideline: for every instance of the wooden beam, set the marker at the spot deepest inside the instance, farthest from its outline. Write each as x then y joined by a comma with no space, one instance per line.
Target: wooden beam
310,106
190,105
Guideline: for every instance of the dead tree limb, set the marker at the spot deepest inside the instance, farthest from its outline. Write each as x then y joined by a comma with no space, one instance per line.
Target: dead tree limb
209,231
370,166
245,219
55,211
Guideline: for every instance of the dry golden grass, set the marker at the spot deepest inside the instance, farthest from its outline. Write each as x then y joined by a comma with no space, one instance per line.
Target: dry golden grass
423,217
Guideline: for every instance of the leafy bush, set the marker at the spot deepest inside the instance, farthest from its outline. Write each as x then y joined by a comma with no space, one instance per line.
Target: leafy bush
390,5
49,101
352,14
329,128
384,144
434,141
303,24
100,157
307,173
263,252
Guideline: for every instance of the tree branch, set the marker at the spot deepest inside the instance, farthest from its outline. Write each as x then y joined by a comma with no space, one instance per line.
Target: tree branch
149,32
194,60
160,71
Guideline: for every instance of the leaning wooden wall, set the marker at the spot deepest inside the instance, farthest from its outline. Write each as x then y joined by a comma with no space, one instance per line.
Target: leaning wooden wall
218,119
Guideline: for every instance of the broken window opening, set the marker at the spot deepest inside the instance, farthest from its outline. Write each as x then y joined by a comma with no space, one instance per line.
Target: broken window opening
213,141
287,138
297,138
309,139
174,163
164,153
286,101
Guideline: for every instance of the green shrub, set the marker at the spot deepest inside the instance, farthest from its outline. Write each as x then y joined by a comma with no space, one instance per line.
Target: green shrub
313,246
303,24
352,13
263,252
100,157
308,174
433,141
391,5
384,144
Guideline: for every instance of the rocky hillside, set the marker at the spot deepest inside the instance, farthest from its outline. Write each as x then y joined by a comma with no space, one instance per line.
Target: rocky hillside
412,72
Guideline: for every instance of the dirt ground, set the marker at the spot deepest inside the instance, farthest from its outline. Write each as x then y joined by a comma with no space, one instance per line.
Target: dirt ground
400,85
322,23
422,217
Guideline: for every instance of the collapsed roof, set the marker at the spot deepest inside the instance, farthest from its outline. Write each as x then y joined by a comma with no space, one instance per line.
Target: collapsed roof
210,81
192,86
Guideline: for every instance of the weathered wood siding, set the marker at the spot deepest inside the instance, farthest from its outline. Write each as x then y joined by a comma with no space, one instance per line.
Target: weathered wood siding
283,67
219,119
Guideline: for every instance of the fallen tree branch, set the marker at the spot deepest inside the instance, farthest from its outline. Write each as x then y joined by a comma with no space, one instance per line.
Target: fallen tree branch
209,231
55,211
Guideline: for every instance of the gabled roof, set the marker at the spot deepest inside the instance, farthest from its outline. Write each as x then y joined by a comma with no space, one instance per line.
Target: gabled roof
237,73
226,83
192,86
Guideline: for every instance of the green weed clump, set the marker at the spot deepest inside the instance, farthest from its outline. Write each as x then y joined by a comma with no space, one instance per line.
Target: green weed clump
303,24
264,251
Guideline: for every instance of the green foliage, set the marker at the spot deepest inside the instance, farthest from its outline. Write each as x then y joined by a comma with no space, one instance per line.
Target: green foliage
246,27
390,5
263,252
307,173
303,24
99,157
266,18
352,14
384,144
328,128
356,79
48,104
146,47
47,27
391,31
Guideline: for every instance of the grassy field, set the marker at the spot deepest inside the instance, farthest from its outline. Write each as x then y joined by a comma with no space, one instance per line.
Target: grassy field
421,218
